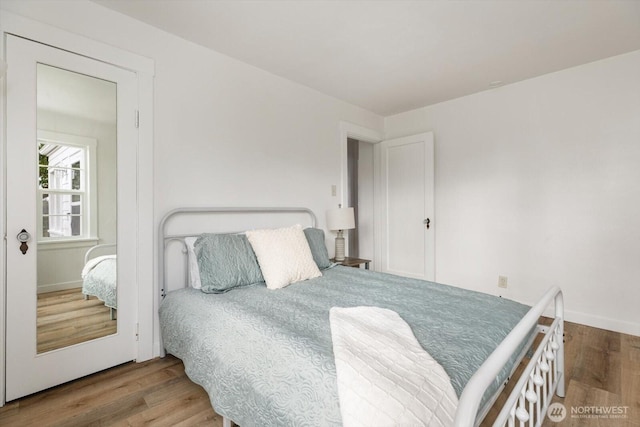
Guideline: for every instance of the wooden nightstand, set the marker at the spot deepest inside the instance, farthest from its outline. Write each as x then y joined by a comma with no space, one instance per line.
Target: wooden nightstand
353,262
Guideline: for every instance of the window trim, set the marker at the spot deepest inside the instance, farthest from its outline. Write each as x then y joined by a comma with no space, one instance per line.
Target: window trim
90,213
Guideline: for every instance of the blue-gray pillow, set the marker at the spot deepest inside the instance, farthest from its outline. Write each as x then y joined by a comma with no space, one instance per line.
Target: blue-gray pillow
315,237
226,261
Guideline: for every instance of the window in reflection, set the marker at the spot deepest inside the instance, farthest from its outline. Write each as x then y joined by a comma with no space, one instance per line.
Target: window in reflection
62,171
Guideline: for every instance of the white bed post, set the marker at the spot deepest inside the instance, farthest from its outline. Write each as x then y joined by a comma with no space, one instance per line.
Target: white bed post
559,313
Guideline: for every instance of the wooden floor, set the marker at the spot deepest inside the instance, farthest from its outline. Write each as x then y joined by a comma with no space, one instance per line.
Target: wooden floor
66,318
602,369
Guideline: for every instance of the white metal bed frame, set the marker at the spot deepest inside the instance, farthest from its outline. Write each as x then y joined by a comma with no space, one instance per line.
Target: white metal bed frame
531,396
87,255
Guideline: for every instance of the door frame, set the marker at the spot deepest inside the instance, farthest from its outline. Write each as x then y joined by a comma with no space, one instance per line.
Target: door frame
145,70
361,133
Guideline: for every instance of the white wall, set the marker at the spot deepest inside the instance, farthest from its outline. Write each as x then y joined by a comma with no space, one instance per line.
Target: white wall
225,133
540,181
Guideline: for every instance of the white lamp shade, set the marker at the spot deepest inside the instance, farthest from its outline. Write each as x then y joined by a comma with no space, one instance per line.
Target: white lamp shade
341,219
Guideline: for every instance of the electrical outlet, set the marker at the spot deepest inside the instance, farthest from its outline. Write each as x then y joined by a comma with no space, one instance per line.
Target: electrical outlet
333,190
502,281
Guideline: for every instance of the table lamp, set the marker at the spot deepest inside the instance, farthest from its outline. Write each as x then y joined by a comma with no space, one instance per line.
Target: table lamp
339,220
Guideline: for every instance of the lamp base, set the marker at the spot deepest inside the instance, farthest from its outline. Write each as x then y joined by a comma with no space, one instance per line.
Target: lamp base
339,248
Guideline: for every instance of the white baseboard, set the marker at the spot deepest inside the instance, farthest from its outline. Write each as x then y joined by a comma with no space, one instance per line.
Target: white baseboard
599,322
52,287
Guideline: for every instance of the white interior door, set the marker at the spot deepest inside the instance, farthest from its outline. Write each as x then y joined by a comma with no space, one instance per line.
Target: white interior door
27,369
406,188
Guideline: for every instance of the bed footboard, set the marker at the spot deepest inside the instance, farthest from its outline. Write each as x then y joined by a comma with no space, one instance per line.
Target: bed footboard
528,402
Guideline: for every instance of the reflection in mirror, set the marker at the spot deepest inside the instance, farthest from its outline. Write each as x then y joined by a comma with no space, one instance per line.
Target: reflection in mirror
76,208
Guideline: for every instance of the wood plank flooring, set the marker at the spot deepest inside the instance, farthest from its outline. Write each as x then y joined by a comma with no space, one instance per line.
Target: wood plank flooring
602,368
66,318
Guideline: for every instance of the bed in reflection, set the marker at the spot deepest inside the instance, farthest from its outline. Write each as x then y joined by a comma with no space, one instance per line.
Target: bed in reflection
99,275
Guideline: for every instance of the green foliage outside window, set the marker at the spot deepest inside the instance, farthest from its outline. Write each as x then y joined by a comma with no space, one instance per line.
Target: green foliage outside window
43,179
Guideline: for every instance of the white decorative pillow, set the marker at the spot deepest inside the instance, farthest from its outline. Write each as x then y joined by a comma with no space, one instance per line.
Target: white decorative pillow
192,263
284,256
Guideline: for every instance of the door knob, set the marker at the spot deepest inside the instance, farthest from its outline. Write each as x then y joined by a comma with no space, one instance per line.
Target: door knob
427,222
23,237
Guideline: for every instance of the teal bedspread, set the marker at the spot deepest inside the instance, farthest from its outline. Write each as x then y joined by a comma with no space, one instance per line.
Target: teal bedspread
265,356
101,282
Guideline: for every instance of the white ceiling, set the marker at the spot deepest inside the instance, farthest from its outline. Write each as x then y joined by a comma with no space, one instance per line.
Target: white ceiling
394,56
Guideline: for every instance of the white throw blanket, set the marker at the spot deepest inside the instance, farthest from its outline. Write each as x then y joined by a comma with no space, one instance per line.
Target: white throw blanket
385,378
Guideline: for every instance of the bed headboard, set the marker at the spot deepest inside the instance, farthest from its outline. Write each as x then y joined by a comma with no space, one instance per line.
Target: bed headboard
180,223
98,248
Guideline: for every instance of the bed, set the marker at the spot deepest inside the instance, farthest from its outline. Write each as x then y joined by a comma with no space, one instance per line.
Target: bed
265,357
99,276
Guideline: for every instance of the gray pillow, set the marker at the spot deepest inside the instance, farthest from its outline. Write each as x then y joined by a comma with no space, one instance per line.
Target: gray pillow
315,237
226,261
